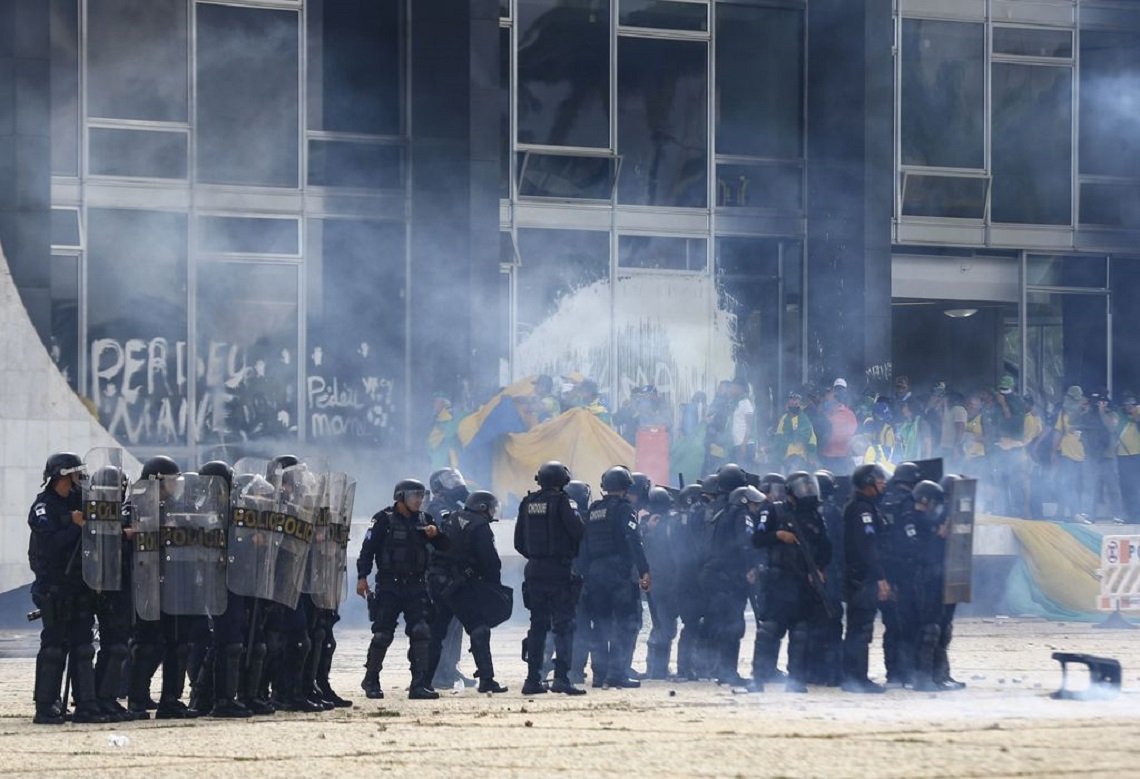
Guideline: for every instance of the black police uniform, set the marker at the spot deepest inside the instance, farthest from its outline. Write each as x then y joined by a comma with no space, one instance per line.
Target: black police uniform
457,579
65,605
825,653
791,605
582,635
897,555
447,671
399,548
662,543
686,534
763,664
726,557
612,554
547,533
862,524
114,610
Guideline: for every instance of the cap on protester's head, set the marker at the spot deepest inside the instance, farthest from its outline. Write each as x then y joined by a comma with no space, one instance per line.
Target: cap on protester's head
1100,393
1005,386
1074,393
840,382
939,388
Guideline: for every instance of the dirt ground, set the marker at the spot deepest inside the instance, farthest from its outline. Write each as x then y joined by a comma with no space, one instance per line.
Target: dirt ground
1004,724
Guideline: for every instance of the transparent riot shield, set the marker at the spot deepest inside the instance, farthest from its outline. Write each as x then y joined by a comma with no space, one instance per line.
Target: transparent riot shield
299,493
192,541
959,560
325,577
102,538
144,512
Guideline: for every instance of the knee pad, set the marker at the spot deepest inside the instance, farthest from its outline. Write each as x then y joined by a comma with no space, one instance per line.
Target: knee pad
83,652
302,644
930,634
382,639
564,626
116,653
420,631
481,634
52,654
768,631
258,651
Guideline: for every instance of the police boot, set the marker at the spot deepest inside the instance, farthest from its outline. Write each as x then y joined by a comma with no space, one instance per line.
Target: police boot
108,680
563,646
686,669
250,686
203,684
309,686
418,651
765,650
942,661
797,661
49,678
323,685
534,645
144,662
170,705
377,650
83,685
484,666
227,677
288,686
729,663
657,661
924,667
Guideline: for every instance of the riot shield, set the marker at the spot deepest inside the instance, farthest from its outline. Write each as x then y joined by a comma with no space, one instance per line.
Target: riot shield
144,513
299,496
325,578
959,560
102,538
192,539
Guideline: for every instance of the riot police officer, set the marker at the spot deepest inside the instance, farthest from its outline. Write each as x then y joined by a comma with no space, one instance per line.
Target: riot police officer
897,554
612,552
764,669
465,583
55,520
942,675
690,505
825,655
548,533
579,493
799,549
927,519
661,534
397,542
865,580
448,491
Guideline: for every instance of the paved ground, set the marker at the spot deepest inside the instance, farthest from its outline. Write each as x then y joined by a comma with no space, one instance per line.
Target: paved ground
1003,725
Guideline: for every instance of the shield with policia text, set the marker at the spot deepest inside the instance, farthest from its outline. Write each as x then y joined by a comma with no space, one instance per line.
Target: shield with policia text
102,535
325,578
192,546
143,512
959,559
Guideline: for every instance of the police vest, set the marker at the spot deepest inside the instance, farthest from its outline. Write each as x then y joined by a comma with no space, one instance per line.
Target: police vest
605,536
459,527
543,533
404,552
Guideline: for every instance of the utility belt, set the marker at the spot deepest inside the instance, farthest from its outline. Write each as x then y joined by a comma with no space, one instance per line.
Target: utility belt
397,579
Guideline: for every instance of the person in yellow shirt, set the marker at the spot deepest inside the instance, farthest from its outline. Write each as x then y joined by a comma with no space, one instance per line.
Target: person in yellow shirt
1071,424
794,437
1128,456
880,429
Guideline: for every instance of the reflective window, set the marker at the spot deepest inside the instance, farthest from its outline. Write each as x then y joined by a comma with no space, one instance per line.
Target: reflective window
944,196
1110,124
769,185
663,122
354,67
1032,136
943,94
564,72
64,290
136,323
567,176
556,264
759,81
1066,271
355,165
504,112
64,24
654,253
1028,42
65,228
137,153
248,235
663,15
248,115
247,345
1110,205
136,59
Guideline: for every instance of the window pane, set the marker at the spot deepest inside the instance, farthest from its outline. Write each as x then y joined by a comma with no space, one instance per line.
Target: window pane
663,122
65,87
1032,136
504,112
759,81
136,59
943,94
1110,124
64,347
555,264
1110,205
356,165
664,15
947,196
136,323
247,343
638,251
1066,271
248,235
138,153
247,114
564,72
354,66
566,176
65,228
356,346
1033,43
759,186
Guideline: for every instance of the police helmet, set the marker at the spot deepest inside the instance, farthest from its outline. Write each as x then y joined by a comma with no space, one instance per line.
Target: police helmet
867,474
826,481
730,476
928,492
745,494
690,496
659,500
579,492
218,468
446,479
407,488
482,502
552,475
617,479
108,476
907,474
641,485
279,465
947,482
62,464
710,485
159,466
773,485
802,485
